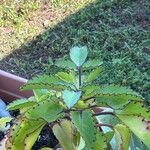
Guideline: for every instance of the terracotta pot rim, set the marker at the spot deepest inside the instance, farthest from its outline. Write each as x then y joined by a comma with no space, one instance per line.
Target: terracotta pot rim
10,87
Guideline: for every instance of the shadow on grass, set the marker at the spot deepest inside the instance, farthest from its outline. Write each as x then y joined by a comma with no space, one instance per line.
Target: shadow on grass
116,32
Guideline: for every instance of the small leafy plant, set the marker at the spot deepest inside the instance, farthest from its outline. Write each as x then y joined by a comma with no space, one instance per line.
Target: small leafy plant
82,115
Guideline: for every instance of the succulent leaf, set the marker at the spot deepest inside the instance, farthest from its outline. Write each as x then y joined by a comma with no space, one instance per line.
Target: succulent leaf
21,132
117,90
90,64
122,136
81,144
44,97
116,97
39,92
136,143
31,138
137,117
108,119
3,122
93,75
89,89
78,55
113,101
84,123
49,108
139,126
134,108
109,135
81,105
70,97
64,133
21,103
65,64
67,77
101,141
45,82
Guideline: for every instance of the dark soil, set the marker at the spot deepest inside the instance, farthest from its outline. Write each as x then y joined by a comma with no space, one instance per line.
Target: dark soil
1,135
46,139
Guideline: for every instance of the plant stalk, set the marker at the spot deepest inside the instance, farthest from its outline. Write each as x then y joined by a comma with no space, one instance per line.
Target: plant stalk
79,74
103,113
89,98
104,124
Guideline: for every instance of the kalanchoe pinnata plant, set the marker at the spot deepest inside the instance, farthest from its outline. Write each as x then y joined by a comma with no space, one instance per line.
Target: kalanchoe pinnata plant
82,115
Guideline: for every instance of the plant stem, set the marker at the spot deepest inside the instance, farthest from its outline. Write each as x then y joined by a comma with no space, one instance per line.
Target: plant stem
88,98
104,124
92,106
103,113
79,74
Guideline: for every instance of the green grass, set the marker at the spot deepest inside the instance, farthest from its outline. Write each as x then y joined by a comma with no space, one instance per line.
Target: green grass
21,21
117,31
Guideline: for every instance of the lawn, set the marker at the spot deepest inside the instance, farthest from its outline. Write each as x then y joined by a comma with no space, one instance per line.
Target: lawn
117,31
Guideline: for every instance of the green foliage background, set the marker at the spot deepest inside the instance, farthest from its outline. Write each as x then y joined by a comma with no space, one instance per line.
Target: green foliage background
118,31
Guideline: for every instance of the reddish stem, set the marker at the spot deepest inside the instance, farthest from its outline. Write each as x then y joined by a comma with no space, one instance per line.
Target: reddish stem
103,113
104,124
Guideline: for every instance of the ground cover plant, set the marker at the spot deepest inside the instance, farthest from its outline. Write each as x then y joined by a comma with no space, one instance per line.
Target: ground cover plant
20,21
77,110
117,31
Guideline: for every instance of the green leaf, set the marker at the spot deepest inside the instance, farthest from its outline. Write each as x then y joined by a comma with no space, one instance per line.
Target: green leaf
90,64
84,123
81,105
108,119
31,138
39,92
22,131
139,126
46,148
134,108
113,101
81,144
115,97
70,97
46,82
47,110
78,55
137,117
122,136
27,128
101,141
117,90
64,133
3,122
76,137
21,103
135,143
65,64
89,89
109,135
44,97
67,77
93,75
